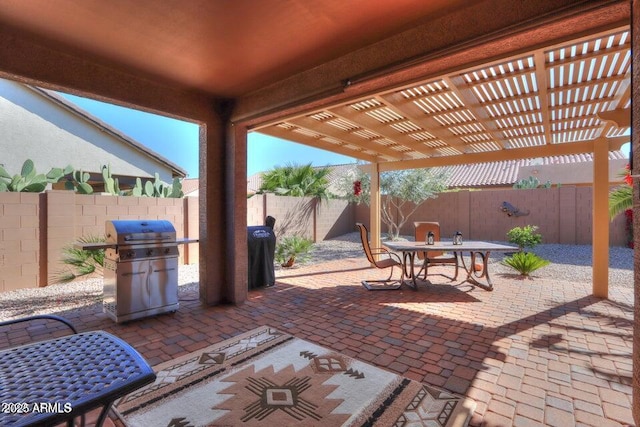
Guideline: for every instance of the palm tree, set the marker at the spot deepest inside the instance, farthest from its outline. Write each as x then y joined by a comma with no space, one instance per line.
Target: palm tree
296,180
621,198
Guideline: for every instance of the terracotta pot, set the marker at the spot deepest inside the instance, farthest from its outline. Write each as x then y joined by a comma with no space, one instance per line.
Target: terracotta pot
289,263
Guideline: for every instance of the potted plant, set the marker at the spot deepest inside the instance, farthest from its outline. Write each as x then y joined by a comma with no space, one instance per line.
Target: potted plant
291,248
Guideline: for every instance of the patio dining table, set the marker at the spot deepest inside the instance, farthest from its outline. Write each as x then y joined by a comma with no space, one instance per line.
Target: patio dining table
50,382
477,273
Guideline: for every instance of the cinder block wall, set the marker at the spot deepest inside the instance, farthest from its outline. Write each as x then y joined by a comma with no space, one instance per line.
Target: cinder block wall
34,228
334,218
304,216
20,215
71,216
563,215
255,210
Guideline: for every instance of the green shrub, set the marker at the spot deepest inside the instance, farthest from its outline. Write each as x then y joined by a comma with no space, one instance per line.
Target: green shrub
293,248
524,237
81,262
525,262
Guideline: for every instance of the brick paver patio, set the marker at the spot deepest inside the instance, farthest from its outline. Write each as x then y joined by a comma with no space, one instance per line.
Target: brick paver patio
530,353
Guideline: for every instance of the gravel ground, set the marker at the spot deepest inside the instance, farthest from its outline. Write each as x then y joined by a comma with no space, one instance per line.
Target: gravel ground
568,263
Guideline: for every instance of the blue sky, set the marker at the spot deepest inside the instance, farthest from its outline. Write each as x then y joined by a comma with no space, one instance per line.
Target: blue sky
177,141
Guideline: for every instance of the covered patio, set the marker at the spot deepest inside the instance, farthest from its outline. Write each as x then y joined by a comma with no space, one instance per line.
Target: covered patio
404,84
538,352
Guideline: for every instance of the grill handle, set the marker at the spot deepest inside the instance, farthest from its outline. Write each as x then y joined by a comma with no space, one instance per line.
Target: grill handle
145,237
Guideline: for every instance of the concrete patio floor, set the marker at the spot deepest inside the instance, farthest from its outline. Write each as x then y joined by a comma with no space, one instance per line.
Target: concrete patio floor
530,353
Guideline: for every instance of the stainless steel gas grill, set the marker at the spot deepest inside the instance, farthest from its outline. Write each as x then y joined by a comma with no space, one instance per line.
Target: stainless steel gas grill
140,269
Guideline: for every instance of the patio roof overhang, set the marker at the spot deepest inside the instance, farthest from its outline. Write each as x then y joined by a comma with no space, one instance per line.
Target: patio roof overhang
547,101
404,84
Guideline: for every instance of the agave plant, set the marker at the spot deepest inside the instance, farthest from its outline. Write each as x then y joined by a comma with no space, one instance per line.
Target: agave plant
81,262
525,262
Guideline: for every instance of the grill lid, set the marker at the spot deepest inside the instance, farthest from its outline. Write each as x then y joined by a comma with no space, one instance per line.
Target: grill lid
132,232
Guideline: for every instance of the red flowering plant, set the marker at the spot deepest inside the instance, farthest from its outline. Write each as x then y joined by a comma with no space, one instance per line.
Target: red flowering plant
621,200
357,188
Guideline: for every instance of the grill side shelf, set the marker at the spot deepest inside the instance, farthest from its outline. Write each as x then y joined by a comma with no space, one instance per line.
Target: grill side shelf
94,246
186,240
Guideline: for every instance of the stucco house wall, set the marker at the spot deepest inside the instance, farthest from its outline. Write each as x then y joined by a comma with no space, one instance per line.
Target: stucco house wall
44,127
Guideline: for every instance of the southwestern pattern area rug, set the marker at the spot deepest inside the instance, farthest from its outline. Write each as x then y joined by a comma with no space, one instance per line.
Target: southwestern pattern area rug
269,378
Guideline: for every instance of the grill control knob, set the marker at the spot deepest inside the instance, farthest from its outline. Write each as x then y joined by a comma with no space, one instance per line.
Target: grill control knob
167,250
149,252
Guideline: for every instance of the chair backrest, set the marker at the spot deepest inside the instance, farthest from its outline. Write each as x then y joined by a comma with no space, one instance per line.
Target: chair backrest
364,236
421,229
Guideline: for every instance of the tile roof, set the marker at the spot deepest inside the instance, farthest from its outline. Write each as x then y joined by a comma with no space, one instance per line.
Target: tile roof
506,172
503,173
190,185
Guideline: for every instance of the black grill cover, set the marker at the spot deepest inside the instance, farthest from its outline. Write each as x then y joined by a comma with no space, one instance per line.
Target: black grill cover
261,245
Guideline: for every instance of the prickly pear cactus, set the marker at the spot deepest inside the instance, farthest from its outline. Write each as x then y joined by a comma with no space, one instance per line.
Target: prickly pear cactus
137,189
110,184
29,180
176,189
81,184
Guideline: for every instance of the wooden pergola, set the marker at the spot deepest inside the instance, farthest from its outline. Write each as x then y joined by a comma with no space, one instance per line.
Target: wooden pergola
566,98
397,83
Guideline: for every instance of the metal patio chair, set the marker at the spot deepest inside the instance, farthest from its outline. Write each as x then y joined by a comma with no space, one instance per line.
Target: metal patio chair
433,258
391,260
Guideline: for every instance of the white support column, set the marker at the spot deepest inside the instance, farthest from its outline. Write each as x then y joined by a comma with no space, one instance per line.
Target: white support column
374,206
600,224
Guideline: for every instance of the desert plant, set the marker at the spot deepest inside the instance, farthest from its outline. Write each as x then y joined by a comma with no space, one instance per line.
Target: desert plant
81,262
524,237
293,248
157,188
402,188
79,182
297,181
621,197
531,182
111,184
175,189
28,180
525,262
137,190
